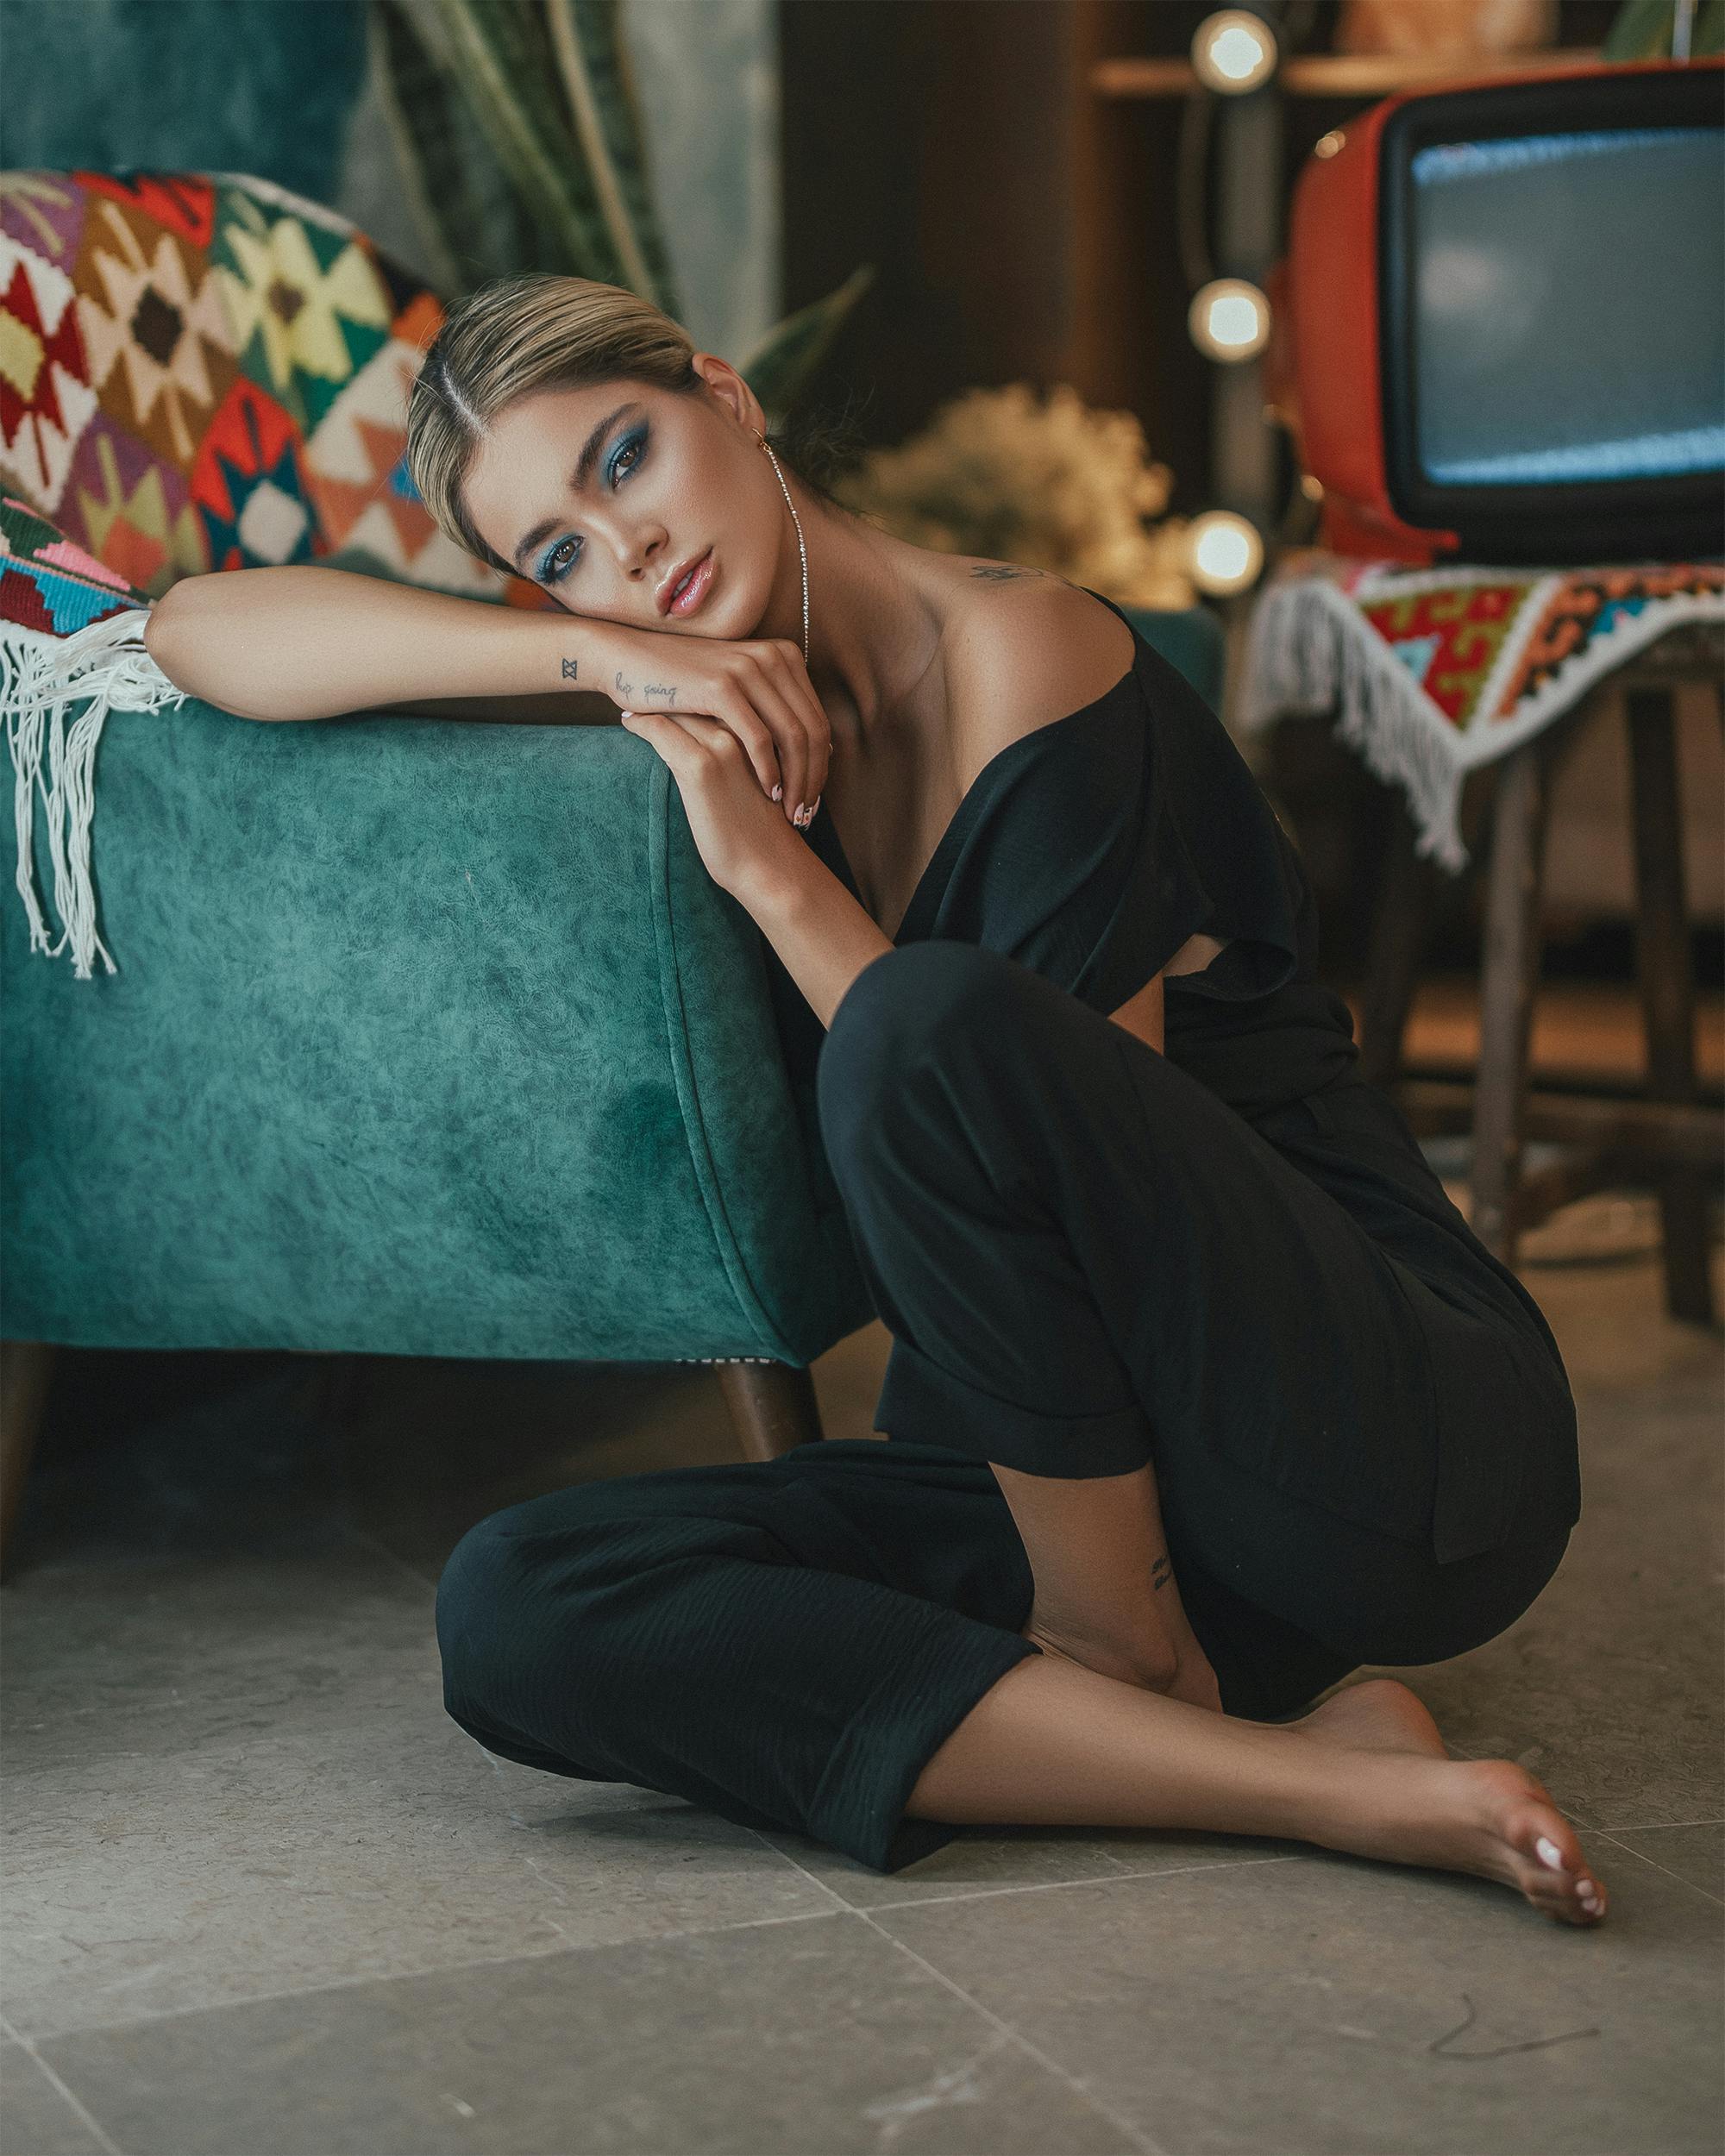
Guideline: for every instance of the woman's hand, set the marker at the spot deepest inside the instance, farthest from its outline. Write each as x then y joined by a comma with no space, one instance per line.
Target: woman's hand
757,688
744,840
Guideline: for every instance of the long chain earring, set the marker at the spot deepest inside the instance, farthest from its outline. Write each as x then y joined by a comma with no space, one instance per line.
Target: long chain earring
802,551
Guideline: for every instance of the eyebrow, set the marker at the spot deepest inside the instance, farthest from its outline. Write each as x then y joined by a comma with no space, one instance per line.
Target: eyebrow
578,480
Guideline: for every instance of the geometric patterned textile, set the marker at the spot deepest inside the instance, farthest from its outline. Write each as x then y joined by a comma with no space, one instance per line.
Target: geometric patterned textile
1435,671
198,371
203,371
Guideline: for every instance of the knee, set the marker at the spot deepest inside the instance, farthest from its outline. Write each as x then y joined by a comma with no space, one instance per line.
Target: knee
477,1593
906,1013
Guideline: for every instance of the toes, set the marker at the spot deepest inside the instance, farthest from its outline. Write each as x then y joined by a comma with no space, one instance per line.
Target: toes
1557,1875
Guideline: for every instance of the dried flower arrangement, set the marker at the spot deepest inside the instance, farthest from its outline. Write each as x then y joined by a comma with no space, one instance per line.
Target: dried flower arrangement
1048,483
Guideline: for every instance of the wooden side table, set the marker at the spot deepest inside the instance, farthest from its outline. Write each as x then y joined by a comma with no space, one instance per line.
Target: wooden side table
1667,1138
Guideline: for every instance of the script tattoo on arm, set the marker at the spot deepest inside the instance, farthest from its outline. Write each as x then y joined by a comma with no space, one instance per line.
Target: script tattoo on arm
998,573
655,689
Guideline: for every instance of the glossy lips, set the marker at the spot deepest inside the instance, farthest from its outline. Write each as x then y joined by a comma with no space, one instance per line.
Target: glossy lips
695,588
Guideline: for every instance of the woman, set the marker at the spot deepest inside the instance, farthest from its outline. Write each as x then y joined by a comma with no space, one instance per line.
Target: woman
1201,1394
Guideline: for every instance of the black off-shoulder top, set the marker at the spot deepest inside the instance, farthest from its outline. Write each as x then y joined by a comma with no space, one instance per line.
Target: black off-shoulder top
1092,848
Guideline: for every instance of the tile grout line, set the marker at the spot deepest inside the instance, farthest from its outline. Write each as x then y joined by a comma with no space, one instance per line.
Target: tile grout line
27,2046
1085,2095
1641,1857
1653,1826
1055,1886
562,1945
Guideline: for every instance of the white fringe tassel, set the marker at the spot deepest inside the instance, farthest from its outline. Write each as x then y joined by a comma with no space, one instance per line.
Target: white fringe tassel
40,677
1306,650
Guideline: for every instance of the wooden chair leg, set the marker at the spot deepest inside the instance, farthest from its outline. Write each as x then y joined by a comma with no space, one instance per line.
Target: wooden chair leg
25,1367
1665,970
773,1405
1509,981
1398,935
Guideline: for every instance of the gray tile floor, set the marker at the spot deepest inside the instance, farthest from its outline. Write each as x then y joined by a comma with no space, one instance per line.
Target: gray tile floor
263,1895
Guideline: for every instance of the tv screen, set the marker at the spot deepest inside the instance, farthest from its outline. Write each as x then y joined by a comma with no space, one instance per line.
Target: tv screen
1552,270
1569,307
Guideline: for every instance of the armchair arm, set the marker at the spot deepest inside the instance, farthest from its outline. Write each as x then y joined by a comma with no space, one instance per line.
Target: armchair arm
434,1039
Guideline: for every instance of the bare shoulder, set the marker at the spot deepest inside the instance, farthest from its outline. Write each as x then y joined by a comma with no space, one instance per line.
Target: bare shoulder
1027,648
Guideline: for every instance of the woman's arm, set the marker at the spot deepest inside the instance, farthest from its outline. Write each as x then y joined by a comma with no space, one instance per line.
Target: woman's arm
302,643
820,932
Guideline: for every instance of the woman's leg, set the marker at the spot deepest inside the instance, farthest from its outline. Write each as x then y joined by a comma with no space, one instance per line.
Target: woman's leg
1098,1546
1053,1744
1090,1264
829,1642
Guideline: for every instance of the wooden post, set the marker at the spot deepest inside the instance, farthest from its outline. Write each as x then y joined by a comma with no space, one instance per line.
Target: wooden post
773,1405
25,1367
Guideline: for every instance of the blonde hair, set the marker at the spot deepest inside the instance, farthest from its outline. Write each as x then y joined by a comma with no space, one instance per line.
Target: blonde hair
544,330
510,338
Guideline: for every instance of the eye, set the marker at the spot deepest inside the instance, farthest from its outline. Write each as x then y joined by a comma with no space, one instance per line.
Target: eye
550,572
633,447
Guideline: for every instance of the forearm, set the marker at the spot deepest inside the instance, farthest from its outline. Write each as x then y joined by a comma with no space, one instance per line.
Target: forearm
823,936
304,643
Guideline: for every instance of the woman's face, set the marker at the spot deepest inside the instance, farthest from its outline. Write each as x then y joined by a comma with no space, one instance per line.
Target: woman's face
605,495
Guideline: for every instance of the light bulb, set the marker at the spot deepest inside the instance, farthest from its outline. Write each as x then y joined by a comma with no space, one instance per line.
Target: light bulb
1229,318
1233,50
1225,551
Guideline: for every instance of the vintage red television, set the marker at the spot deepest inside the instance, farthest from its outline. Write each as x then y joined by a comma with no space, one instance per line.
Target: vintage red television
1500,321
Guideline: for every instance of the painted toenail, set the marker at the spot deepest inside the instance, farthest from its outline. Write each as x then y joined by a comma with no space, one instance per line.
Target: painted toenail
1549,1853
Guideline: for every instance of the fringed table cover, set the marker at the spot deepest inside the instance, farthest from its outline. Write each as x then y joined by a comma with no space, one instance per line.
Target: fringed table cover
1435,671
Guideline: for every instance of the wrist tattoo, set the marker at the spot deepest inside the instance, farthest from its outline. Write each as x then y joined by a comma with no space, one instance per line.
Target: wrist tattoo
571,671
1161,1573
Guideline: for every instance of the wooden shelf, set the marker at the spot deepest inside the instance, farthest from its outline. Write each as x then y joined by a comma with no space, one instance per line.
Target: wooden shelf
1340,74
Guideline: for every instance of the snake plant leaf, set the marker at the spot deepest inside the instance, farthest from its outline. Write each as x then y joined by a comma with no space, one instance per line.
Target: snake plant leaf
781,363
504,67
1643,29
419,112
605,111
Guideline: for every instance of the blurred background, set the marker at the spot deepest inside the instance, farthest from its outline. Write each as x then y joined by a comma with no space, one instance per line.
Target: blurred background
1029,193
981,236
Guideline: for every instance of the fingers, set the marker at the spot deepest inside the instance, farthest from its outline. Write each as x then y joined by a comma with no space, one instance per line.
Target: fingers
790,735
759,741
800,692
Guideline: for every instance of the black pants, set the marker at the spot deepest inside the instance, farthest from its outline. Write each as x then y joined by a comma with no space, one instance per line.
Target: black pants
1087,1261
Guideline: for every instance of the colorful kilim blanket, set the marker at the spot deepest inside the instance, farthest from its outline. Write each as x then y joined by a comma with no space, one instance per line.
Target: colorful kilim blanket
198,371
1434,671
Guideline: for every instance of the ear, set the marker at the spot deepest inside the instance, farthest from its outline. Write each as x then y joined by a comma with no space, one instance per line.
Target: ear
728,386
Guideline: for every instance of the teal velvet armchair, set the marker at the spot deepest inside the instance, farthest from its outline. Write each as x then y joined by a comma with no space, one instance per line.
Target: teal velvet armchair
426,1037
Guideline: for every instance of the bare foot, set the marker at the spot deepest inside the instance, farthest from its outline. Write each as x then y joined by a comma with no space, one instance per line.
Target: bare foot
1487,1816
1377,1715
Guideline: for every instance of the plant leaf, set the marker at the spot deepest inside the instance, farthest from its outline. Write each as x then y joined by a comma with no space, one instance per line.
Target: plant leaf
591,59
781,363
504,68
431,159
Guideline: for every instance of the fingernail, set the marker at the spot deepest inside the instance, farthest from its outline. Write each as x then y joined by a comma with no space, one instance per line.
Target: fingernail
1549,1853
625,714
778,793
813,806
